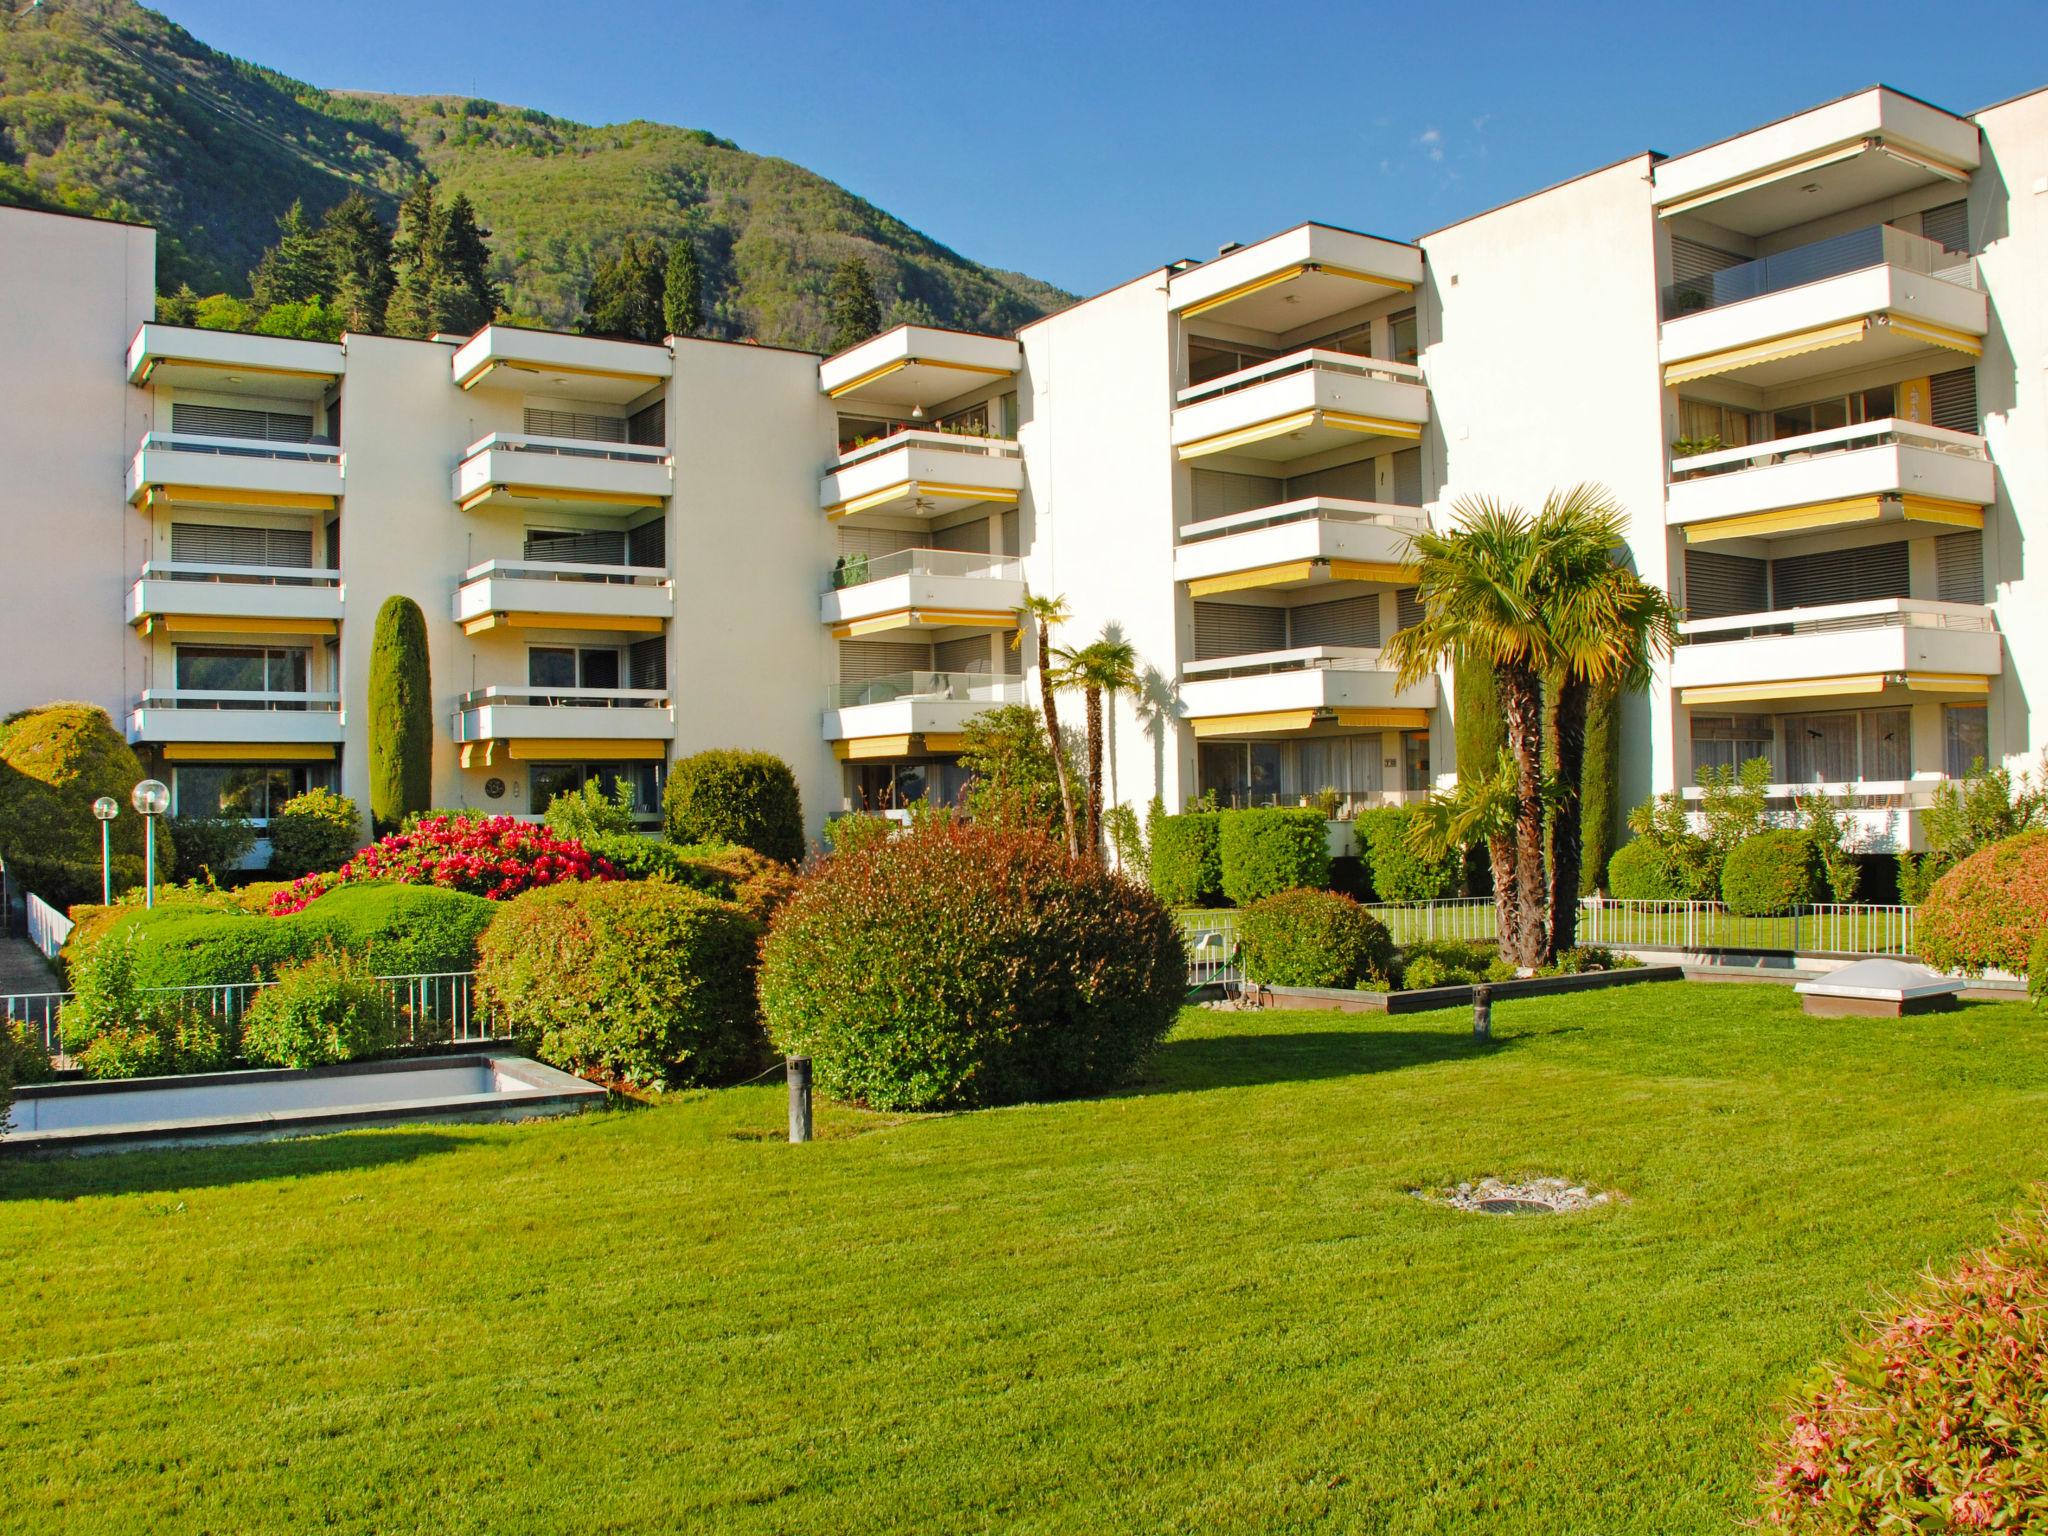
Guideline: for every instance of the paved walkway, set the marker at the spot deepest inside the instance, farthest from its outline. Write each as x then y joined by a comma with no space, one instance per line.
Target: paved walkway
22,969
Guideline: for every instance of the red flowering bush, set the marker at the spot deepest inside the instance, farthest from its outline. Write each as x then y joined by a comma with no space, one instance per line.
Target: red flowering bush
1985,912
492,856
1937,1422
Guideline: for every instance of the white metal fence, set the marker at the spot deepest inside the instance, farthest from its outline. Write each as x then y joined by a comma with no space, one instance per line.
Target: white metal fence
47,927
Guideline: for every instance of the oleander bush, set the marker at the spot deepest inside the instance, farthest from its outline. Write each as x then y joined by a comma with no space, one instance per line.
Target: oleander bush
327,1009
635,981
1187,859
730,796
54,762
1936,1417
1305,938
1770,873
1267,851
1985,913
1396,870
312,832
492,856
965,965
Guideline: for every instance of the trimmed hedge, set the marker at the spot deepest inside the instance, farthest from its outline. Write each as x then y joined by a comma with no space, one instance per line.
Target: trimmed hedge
1644,869
54,762
1396,871
966,965
1985,913
315,831
729,796
1771,873
755,883
1268,851
1314,939
1187,859
641,982
324,1010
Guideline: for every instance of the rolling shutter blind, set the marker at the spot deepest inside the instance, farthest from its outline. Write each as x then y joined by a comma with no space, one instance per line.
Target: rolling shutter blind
1408,477
1218,493
647,663
969,538
1355,482
234,421
208,544
876,541
578,424
1689,258
862,660
970,653
648,426
1347,621
648,544
585,547
1718,586
1949,225
1959,567
1407,608
1953,397
1840,576
1238,629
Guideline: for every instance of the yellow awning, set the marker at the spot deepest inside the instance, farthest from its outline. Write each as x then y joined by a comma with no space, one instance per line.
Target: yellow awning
150,366
861,748
1296,421
1936,335
1804,688
1372,570
625,500
874,375
233,624
930,618
912,490
1819,514
1271,720
545,749
1258,576
248,752
637,624
1932,509
478,754
944,742
1384,719
1288,275
1946,682
171,497
516,365
1838,335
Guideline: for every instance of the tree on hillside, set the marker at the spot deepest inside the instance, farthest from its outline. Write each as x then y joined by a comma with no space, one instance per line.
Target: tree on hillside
442,260
358,249
628,292
682,305
856,312
293,271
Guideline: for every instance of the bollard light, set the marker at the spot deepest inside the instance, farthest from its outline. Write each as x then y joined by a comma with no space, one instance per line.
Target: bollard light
106,808
152,797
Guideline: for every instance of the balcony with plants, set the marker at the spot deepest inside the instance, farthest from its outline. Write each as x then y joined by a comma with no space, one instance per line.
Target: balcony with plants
922,590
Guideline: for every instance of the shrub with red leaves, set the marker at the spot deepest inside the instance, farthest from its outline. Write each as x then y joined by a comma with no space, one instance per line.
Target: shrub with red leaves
1939,1420
493,856
1985,912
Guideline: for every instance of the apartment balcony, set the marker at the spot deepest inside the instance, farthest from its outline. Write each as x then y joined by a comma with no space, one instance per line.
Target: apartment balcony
1300,278
181,597
1873,296
1305,403
921,474
1888,649
1283,692
563,725
513,594
225,725
229,362
561,474
1878,471
1308,543
548,362
923,592
917,366
176,470
907,712
1878,815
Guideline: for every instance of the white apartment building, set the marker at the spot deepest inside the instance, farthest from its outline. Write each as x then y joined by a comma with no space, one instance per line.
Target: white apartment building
1812,360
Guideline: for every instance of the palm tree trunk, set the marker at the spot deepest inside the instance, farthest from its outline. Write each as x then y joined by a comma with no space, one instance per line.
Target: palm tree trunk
1567,823
1507,912
1094,704
1052,731
1521,694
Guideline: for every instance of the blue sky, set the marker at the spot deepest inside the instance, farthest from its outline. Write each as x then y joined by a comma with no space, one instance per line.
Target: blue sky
1085,143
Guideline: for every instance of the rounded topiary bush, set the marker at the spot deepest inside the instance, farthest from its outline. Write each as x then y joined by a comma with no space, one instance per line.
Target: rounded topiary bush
635,981
312,832
1644,869
1769,874
1187,859
1984,914
1265,852
1396,870
320,1011
54,762
965,965
728,796
1314,939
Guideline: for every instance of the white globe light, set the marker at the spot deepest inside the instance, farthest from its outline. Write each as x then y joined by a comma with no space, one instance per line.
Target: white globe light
152,797
106,807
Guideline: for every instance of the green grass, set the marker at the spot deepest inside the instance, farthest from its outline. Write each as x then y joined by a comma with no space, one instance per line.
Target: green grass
1204,1305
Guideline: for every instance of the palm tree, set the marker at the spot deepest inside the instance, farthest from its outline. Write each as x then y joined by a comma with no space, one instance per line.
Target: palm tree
1481,591
1481,809
1108,665
1043,613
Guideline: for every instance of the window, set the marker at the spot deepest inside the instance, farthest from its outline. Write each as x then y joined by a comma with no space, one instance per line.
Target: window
547,780
254,791
1209,359
973,419
561,666
876,787
576,546
1728,741
587,426
238,421
1965,738
219,544
1415,760
1875,744
1403,339
242,669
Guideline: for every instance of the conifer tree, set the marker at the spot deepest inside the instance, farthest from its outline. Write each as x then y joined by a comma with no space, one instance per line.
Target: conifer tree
627,293
856,312
401,715
414,252
358,250
471,295
295,269
683,291
442,258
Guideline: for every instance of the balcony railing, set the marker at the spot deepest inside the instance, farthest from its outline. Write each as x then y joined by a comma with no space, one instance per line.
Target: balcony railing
1311,658
568,448
861,569
550,570
1875,613
566,698
238,575
1404,519
1877,245
240,447
920,687
253,699
1301,362
928,437
1888,432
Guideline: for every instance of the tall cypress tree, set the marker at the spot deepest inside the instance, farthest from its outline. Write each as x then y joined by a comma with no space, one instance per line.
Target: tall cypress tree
415,254
295,269
358,248
627,293
401,715
856,312
682,299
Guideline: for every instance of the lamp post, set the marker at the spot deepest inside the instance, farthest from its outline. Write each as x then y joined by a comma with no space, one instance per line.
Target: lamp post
151,799
106,808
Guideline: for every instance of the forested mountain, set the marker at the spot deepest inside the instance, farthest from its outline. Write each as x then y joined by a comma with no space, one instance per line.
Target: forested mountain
111,109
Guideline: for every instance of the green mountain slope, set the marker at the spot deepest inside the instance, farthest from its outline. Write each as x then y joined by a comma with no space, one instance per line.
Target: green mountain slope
111,109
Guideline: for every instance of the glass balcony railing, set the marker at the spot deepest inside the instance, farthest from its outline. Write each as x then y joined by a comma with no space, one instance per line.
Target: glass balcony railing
1874,613
240,575
858,570
240,447
923,687
1888,432
1878,245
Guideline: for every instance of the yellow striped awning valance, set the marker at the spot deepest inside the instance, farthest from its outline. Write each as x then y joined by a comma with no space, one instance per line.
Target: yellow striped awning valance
862,748
1257,576
1727,361
1372,570
925,618
1297,421
1383,719
628,623
1801,688
1242,725
1271,721
948,741
248,752
548,749
1836,514
1933,509
1287,275
477,375
876,375
917,490
1934,335
233,624
478,754
1947,682
622,500
171,497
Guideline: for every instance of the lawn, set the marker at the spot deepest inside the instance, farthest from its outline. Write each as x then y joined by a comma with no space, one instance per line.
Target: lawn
1204,1305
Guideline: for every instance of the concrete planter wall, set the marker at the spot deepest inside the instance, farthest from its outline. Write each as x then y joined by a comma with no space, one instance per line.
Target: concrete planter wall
1425,999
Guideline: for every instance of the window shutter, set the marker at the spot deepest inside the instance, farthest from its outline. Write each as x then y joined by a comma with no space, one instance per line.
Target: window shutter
1237,629
234,421
970,653
1949,225
1690,259
648,426
647,662
1347,621
1959,567
1953,397
1408,477
1407,608
585,425
967,538
578,547
1718,586
648,544
1353,482
863,660
1217,493
1840,576
212,544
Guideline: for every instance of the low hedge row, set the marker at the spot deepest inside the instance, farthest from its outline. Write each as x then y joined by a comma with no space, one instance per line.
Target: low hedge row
1303,938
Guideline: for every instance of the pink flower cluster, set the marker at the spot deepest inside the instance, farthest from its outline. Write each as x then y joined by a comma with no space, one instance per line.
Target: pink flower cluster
493,856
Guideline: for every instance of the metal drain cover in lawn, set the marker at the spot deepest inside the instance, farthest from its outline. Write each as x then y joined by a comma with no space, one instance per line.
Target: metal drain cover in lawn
1522,1197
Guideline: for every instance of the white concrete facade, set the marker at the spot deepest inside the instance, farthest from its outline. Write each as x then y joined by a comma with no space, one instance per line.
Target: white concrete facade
1811,361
